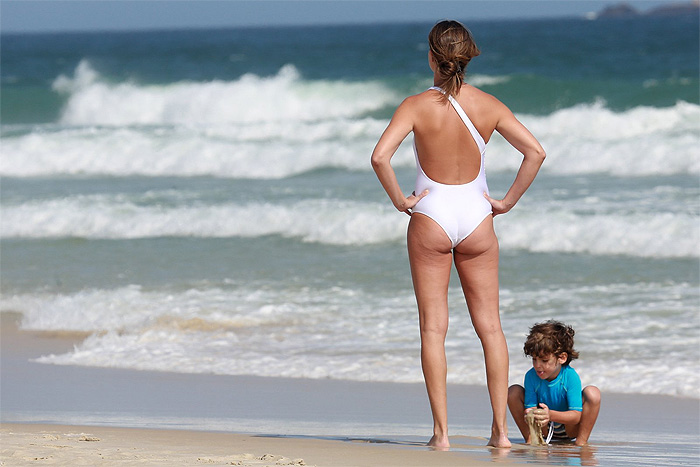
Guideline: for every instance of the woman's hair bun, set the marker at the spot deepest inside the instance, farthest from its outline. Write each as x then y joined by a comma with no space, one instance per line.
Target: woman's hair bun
452,47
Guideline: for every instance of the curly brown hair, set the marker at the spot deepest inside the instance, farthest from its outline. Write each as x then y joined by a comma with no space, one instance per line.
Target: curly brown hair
452,46
551,338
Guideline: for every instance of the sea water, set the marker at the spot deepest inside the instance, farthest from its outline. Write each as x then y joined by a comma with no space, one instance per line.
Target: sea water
202,201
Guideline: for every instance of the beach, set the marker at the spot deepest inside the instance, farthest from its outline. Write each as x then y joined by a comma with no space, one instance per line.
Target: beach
268,415
80,445
195,248
68,415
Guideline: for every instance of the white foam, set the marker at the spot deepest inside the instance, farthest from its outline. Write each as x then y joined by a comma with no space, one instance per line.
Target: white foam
273,330
100,216
553,227
261,151
263,329
589,138
134,309
253,127
639,327
486,80
653,235
293,125
249,99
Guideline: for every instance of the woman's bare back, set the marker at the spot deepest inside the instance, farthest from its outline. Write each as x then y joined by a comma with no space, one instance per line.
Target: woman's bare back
447,151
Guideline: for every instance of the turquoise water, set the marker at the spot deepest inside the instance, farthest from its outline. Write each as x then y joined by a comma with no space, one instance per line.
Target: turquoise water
202,201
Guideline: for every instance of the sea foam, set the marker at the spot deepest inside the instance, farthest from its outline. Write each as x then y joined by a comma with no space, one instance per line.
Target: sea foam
268,330
249,99
326,221
284,125
557,226
253,152
589,139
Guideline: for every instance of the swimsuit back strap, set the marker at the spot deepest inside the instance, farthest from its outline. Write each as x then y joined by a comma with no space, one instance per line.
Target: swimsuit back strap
472,129
467,122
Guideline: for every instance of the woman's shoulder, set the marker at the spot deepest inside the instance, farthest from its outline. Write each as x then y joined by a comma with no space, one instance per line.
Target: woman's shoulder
415,99
419,104
429,95
480,97
486,109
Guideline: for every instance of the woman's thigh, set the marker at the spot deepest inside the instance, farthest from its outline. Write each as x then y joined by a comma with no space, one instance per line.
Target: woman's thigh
476,260
430,256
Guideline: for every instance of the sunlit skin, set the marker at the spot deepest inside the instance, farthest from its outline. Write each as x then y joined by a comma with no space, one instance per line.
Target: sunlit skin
450,155
549,366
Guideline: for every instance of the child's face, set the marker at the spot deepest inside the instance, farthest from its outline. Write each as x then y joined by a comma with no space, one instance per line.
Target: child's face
548,366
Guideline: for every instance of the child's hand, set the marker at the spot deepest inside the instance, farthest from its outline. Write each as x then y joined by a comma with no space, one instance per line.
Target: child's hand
542,414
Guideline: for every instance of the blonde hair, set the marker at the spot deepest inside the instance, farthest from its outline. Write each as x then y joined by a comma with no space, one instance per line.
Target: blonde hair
452,47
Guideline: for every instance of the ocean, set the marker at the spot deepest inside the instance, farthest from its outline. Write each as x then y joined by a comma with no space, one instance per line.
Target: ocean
202,201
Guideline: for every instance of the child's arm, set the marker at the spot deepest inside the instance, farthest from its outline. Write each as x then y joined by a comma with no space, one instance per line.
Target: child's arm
569,417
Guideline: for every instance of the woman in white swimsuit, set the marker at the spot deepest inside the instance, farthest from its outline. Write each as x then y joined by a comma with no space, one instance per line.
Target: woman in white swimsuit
452,213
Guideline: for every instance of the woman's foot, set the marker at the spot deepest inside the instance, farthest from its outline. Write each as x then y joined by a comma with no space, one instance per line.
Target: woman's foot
441,442
498,439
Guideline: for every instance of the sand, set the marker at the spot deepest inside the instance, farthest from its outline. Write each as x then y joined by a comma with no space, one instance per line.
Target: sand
68,415
30,444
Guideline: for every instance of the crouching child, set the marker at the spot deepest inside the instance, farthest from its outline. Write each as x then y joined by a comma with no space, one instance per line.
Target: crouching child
552,388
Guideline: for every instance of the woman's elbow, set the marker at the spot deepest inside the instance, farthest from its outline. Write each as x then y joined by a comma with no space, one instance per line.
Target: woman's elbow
541,155
377,161
537,155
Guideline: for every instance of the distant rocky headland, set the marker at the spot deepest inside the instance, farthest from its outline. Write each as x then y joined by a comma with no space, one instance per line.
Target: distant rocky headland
624,10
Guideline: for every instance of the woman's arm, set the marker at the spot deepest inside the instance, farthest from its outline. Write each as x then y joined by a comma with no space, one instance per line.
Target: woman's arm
400,126
533,156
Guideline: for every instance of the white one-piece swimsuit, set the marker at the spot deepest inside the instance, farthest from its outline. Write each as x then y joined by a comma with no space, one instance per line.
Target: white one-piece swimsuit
458,209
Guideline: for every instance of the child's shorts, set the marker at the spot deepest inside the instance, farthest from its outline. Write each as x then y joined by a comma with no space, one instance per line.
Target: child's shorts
559,432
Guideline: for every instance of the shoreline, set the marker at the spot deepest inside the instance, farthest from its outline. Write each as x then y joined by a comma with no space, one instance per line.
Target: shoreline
320,421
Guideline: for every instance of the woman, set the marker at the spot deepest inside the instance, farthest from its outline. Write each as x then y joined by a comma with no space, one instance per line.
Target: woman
452,213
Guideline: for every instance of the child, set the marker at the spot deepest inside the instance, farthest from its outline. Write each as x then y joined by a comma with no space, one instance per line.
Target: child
553,388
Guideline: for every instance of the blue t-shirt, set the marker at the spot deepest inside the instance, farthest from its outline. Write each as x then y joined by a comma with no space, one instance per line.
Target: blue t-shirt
561,394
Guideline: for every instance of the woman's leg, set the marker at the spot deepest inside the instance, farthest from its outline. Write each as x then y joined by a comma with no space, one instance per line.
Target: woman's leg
476,259
430,256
